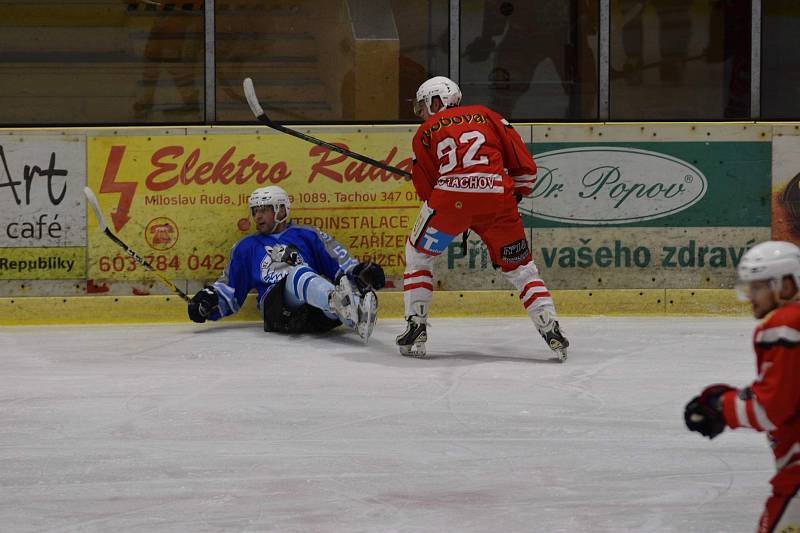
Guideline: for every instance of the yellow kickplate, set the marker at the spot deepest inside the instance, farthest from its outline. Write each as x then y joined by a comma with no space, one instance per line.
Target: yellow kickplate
705,302
148,309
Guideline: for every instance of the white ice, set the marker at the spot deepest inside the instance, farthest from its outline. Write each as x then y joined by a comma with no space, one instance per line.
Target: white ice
222,427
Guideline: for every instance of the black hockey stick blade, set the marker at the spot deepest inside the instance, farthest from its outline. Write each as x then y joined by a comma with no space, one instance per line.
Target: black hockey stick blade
258,111
133,255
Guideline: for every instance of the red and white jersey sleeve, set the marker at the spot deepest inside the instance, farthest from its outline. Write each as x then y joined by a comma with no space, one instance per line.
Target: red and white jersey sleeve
772,402
423,171
470,149
518,161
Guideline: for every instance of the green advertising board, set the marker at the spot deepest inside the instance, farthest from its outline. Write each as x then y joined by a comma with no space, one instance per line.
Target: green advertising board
637,215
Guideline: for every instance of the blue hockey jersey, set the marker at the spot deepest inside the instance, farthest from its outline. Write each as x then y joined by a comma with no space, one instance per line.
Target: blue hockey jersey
253,265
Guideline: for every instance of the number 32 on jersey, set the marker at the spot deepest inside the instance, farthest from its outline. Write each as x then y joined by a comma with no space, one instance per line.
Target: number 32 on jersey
447,151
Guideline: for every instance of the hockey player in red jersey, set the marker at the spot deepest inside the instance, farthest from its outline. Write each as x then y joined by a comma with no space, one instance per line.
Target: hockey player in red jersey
469,166
769,278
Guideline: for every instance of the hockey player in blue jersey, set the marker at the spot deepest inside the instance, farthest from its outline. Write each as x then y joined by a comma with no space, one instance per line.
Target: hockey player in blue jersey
306,281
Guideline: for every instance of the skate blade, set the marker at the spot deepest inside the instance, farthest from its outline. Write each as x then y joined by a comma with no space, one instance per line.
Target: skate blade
417,351
370,307
559,355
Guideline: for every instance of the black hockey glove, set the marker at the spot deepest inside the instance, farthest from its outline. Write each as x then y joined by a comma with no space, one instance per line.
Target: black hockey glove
704,412
203,304
368,276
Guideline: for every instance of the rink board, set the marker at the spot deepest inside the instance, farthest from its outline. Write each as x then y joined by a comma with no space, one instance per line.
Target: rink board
615,243
485,304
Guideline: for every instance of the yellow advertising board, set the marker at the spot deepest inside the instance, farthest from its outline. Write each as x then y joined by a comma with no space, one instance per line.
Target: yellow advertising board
42,263
181,202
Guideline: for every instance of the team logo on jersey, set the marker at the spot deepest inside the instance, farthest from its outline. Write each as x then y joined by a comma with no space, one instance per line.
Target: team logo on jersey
274,265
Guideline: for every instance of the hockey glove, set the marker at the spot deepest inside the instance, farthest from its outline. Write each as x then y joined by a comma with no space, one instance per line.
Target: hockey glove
203,304
704,412
368,276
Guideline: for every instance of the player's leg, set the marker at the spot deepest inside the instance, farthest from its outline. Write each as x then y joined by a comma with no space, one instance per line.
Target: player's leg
432,233
304,286
782,510
339,301
417,296
281,317
508,248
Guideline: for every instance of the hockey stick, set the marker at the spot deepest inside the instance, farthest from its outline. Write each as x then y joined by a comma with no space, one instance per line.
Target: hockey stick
258,111
136,257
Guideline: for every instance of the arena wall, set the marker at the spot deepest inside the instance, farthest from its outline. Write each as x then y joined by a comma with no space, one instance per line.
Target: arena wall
625,218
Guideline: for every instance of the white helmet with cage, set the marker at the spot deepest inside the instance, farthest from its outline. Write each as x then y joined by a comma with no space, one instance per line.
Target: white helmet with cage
273,196
769,261
444,88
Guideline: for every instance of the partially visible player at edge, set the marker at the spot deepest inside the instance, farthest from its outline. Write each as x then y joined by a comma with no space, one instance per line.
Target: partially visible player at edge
469,165
306,281
769,278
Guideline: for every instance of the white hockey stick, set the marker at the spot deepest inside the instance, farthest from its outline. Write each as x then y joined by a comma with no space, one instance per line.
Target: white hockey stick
258,111
136,257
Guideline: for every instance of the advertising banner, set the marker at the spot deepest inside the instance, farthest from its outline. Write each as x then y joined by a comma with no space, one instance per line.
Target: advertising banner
631,214
42,208
786,188
182,201
637,215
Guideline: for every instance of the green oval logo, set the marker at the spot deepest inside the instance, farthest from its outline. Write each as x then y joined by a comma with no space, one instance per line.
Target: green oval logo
609,185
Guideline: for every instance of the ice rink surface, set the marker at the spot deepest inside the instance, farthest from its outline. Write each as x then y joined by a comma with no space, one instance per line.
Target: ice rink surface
222,427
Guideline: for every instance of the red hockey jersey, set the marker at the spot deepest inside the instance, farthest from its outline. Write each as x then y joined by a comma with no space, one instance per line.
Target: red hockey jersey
470,149
772,402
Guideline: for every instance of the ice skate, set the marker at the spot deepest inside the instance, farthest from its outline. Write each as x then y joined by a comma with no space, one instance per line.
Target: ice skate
551,333
342,301
412,341
367,315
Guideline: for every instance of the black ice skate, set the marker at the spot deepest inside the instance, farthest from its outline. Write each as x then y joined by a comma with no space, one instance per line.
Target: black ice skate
552,335
412,341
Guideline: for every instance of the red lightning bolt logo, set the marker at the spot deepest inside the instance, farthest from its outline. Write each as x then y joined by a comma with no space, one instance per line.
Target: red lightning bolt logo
125,188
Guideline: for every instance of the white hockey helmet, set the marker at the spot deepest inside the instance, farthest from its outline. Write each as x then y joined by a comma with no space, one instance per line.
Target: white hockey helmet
769,261
273,196
444,88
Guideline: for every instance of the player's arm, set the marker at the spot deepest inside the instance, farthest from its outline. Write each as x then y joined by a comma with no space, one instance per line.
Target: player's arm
423,173
765,405
337,261
225,296
331,256
516,158
775,396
